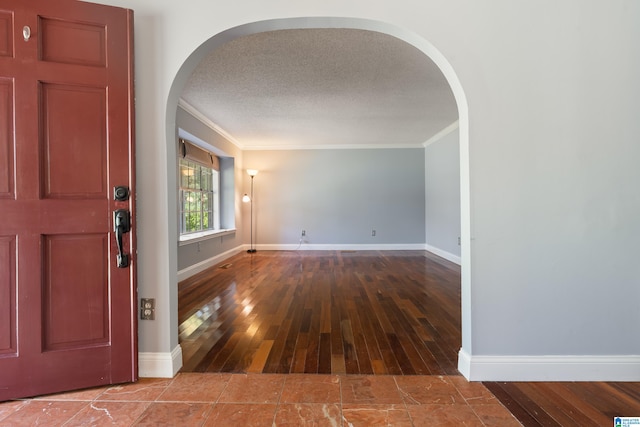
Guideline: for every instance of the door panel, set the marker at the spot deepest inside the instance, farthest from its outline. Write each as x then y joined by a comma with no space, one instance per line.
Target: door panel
75,301
59,42
7,296
6,34
6,138
67,312
74,165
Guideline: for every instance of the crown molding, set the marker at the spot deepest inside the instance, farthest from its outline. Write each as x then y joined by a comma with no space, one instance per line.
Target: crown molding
207,122
331,147
444,132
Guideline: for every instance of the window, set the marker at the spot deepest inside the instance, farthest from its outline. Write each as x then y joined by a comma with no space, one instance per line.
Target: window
199,196
199,190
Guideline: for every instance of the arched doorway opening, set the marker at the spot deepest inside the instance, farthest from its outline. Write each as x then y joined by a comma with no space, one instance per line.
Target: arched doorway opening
407,36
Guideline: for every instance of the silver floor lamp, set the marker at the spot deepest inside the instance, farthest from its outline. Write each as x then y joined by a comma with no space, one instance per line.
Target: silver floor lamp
252,173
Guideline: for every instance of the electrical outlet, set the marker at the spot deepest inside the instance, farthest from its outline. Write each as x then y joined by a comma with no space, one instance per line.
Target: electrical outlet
304,233
458,241
373,233
147,308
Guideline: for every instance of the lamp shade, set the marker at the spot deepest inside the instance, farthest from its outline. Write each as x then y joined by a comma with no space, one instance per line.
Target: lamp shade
246,198
252,172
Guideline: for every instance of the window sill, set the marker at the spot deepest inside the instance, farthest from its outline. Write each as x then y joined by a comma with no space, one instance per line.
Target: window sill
204,235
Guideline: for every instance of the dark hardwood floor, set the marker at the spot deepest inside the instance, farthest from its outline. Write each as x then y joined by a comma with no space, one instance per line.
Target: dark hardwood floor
581,404
340,312
365,312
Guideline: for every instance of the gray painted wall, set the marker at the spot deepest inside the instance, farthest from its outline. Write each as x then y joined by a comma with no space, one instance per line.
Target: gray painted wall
338,196
442,189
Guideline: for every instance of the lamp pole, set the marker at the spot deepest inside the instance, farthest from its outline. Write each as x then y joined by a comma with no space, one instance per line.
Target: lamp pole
252,173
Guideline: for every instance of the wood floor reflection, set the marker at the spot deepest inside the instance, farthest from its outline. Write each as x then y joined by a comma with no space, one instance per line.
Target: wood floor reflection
338,312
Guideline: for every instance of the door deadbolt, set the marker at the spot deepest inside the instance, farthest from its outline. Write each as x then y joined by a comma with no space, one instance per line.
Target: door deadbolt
26,33
121,193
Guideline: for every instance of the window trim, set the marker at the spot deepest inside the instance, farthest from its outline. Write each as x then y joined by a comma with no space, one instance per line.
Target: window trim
226,194
213,193
187,239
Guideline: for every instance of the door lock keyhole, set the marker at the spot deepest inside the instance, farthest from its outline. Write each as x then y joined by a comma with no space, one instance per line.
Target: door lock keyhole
121,193
26,33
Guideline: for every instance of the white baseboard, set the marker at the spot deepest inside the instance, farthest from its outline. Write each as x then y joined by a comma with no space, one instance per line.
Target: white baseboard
549,368
342,247
160,365
210,262
464,364
207,263
444,254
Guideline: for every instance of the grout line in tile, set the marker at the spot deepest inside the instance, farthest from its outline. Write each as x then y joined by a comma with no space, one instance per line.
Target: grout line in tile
144,411
404,401
226,384
208,412
89,404
275,413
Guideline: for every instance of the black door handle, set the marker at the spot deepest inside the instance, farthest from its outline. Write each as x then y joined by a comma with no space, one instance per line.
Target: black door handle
121,225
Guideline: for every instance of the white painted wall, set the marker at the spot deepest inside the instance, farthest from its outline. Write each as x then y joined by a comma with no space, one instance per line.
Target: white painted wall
442,194
550,204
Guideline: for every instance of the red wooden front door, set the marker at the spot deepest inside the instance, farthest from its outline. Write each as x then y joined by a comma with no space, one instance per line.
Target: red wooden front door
67,310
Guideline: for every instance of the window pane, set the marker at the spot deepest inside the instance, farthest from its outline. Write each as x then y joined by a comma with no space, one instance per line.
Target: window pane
193,201
193,222
187,201
196,175
184,175
206,179
207,219
181,202
209,205
191,175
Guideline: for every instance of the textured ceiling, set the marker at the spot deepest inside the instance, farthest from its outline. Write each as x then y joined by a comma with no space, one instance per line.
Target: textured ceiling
321,88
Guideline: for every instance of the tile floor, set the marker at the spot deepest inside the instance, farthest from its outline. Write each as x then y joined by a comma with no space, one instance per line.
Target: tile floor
268,400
